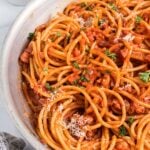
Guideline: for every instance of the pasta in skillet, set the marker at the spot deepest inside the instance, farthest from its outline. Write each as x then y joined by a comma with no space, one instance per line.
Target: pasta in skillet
86,76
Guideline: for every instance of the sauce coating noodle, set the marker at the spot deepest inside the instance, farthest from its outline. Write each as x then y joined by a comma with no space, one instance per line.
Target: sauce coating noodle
86,76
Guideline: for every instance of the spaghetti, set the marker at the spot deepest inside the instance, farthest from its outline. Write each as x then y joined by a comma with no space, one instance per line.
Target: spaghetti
86,76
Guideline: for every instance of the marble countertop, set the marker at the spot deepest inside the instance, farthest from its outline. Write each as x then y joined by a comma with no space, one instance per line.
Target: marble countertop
8,13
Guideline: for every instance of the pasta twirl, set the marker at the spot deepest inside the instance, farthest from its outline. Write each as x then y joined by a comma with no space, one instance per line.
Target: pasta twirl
86,76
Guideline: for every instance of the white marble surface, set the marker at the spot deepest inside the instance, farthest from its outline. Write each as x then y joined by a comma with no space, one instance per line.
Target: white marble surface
8,13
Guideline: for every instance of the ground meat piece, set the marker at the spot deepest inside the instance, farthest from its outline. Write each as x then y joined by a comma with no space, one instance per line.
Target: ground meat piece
122,145
95,34
76,52
26,55
138,39
117,106
147,58
73,78
136,108
124,53
84,120
106,81
138,56
88,119
90,134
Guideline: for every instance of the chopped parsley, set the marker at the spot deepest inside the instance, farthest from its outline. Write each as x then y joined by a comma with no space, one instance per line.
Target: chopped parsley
145,76
52,39
68,37
110,54
138,19
83,29
130,120
31,36
83,4
101,22
108,71
84,79
76,82
86,71
113,6
45,70
48,87
81,86
122,131
58,34
87,49
89,8
76,65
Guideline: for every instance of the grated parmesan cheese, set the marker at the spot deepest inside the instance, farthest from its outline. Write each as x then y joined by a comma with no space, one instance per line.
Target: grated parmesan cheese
91,72
119,15
80,21
55,94
125,87
75,129
147,98
116,40
74,126
60,107
129,37
88,22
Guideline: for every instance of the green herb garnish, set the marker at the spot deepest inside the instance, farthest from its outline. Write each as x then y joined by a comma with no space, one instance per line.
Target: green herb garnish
85,71
68,36
45,70
138,19
145,76
31,36
84,79
110,54
113,6
97,16
48,87
76,82
83,4
87,49
58,34
52,39
81,86
122,131
130,120
89,8
101,22
108,71
83,29
76,65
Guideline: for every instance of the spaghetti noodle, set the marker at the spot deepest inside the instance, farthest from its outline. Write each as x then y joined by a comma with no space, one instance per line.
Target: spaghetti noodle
86,76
